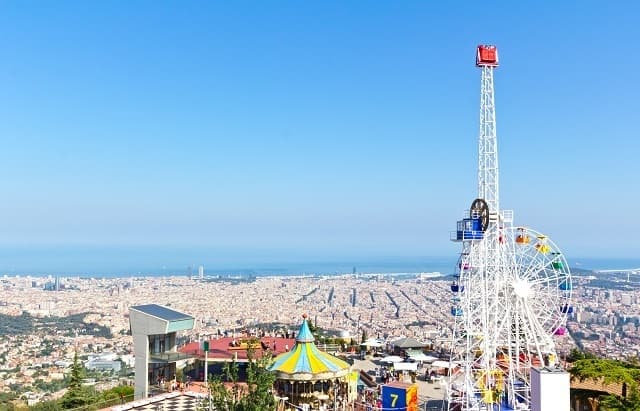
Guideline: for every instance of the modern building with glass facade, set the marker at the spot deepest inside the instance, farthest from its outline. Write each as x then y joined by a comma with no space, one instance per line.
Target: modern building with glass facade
154,329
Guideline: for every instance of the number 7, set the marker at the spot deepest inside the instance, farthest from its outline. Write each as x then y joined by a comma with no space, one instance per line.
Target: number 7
394,399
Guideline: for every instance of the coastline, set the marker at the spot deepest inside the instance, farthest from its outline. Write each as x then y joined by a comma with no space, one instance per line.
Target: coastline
387,266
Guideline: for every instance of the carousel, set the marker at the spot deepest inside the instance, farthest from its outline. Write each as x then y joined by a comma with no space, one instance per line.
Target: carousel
308,378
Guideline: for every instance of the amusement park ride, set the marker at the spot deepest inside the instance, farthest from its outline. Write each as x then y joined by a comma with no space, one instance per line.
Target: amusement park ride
511,294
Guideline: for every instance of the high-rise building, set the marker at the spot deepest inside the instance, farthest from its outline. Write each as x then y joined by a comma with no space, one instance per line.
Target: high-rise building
201,271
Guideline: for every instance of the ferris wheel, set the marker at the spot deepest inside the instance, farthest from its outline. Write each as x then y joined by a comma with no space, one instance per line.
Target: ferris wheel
511,294
541,286
509,303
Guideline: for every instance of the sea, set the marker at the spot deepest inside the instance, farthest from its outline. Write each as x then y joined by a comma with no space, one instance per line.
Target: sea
116,262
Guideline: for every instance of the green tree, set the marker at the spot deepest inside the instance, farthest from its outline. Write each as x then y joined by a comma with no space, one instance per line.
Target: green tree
255,395
77,395
259,383
576,354
221,397
115,396
610,372
7,406
51,405
615,403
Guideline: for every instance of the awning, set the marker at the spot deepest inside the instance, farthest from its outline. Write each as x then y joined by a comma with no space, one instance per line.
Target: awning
405,366
443,364
372,343
422,357
391,358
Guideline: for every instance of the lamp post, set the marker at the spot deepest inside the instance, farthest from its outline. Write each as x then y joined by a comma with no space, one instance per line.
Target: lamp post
206,361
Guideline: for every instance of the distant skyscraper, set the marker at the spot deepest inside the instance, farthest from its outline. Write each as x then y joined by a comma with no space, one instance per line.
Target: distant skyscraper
201,271
57,283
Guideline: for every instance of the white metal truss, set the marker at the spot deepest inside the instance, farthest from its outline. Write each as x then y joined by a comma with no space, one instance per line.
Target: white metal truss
488,143
511,294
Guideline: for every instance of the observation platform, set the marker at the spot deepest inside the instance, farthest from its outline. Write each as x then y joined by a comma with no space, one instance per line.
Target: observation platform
154,328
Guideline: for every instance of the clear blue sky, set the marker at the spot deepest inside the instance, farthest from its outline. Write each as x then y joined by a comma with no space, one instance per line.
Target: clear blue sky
287,129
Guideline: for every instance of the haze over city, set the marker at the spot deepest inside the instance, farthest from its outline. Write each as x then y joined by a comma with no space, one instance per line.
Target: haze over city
262,134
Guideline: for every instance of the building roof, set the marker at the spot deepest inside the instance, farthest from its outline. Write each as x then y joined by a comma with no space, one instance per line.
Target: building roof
162,312
305,362
221,350
408,342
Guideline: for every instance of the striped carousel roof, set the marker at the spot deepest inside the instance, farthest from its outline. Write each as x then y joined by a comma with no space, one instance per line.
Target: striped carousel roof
305,362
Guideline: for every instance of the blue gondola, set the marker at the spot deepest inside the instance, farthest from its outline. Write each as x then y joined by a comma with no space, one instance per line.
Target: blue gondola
457,288
456,311
566,309
469,229
565,286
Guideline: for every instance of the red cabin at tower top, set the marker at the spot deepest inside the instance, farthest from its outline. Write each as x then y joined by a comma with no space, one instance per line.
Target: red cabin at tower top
487,56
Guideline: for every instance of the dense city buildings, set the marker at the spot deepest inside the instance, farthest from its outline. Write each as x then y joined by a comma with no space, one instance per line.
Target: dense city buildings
92,315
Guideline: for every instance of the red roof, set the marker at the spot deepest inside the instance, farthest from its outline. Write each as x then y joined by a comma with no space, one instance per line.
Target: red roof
221,349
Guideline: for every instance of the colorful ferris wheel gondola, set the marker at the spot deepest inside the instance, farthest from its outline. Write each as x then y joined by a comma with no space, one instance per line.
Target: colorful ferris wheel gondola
566,309
522,237
542,245
456,287
557,261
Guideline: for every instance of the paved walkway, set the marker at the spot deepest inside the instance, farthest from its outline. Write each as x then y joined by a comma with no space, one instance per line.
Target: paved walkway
429,393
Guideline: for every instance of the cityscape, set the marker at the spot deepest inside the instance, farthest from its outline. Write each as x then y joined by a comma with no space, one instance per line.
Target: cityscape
335,177
388,307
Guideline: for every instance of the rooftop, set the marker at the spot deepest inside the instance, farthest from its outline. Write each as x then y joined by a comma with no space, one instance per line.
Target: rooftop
161,312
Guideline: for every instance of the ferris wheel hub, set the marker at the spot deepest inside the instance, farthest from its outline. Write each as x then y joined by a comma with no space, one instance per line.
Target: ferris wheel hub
522,288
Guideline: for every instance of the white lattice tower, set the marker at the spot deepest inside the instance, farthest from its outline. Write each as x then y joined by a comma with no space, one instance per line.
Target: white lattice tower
511,293
488,187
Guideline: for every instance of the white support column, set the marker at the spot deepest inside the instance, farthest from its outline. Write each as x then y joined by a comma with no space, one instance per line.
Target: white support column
141,353
206,365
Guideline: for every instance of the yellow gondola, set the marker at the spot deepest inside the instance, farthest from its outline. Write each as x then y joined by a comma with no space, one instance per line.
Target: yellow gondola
491,383
543,248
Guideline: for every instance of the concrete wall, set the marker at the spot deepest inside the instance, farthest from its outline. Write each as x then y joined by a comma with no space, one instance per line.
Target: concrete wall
141,352
550,390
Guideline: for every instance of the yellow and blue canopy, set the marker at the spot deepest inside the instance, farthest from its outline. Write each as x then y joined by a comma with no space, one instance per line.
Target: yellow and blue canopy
306,362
